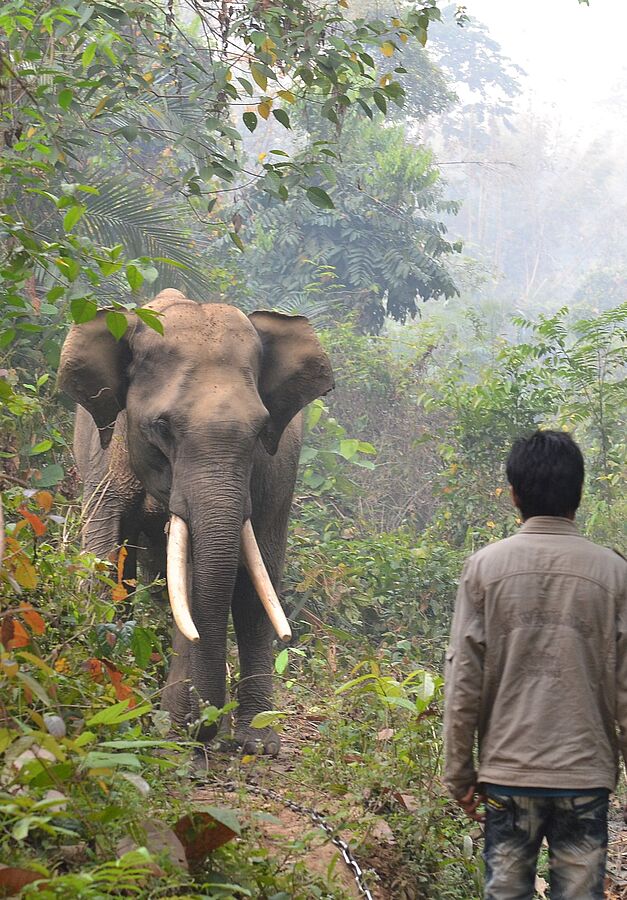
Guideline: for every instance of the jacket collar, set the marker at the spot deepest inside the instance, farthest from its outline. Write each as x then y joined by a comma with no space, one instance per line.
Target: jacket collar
549,525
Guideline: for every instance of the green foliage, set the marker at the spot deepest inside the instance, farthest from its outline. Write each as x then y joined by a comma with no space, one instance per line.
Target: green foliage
326,451
381,241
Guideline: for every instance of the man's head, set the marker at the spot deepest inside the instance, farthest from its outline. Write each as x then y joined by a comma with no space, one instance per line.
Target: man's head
546,472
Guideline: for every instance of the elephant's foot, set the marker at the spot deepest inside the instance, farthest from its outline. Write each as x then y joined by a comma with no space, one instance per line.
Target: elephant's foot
257,740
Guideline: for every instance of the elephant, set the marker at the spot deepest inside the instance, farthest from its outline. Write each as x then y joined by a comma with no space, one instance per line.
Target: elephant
199,427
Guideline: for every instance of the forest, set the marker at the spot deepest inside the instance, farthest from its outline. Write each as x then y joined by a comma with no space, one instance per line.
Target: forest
374,167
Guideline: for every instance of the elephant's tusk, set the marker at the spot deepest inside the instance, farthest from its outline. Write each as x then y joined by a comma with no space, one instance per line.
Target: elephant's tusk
178,538
261,581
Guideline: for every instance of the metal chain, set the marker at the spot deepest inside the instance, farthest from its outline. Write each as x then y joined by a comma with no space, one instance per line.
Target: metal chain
319,820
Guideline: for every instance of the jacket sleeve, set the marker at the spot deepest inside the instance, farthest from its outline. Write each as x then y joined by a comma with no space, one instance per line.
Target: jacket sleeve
621,669
463,678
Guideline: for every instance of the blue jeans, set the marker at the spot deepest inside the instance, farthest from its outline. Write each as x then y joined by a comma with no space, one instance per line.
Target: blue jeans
576,832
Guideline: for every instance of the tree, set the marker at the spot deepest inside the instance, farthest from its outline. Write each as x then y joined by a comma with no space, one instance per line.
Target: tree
379,250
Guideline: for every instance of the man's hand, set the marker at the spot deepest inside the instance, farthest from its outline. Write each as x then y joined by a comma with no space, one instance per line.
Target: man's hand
471,801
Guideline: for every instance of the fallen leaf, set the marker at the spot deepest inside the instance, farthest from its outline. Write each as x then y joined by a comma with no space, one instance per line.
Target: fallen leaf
158,838
12,881
201,833
385,734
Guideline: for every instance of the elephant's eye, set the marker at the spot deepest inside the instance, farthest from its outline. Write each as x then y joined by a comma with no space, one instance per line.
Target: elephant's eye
161,427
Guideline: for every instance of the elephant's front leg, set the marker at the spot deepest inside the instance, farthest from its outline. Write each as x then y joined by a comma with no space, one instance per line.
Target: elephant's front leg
105,526
254,693
176,697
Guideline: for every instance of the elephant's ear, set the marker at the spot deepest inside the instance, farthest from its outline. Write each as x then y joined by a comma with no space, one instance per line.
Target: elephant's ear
93,371
294,370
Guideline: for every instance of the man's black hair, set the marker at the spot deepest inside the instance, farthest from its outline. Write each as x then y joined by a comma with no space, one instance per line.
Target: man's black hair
546,471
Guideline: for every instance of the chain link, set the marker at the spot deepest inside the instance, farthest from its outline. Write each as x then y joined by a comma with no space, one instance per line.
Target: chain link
319,820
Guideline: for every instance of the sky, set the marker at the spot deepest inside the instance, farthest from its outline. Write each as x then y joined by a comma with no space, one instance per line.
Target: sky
574,55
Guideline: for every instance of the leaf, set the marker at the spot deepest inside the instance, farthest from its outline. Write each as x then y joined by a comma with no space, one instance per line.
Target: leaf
65,98
83,309
17,634
259,76
319,198
41,447
32,618
236,240
72,216
141,645
387,48
204,831
117,323
250,120
99,107
96,759
24,572
150,318
281,116
264,108
348,448
129,132
13,880
51,475
117,713
88,54
134,277
45,500
267,719
119,593
159,839
35,687
280,663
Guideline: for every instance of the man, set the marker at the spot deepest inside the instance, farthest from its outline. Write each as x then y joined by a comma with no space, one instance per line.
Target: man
537,668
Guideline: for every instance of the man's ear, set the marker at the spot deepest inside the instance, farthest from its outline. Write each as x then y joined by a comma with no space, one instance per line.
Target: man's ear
93,371
294,370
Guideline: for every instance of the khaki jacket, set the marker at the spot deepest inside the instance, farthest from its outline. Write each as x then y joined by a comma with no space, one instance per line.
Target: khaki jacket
537,663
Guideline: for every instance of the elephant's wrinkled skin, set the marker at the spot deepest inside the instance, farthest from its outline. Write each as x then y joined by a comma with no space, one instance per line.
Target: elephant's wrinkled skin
203,423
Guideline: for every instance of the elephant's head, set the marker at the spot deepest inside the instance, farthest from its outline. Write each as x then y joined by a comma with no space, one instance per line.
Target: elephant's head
199,399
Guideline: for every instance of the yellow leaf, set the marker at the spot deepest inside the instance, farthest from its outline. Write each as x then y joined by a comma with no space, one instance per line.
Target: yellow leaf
498,492
45,500
31,131
343,3
384,79
261,157
228,76
62,666
396,23
99,107
8,666
259,76
120,564
25,573
148,77
403,38
387,48
119,593
264,108
491,524
288,96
